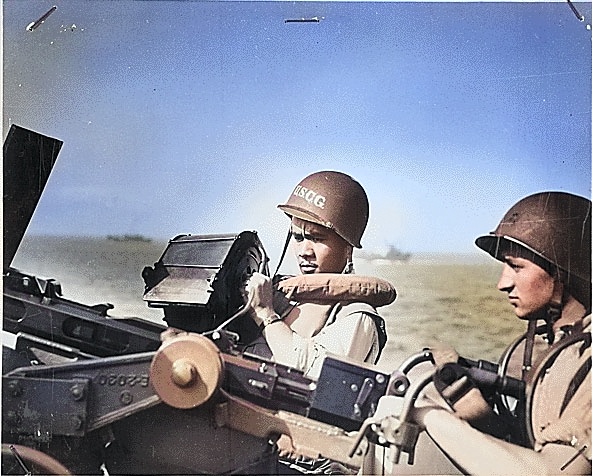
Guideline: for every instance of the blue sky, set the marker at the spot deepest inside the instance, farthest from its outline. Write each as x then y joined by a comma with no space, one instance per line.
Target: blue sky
201,117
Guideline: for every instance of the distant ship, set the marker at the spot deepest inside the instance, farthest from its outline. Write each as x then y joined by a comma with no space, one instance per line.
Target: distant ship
129,238
393,254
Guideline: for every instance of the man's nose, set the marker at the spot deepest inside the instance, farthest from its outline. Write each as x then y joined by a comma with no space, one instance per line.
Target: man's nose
305,248
506,281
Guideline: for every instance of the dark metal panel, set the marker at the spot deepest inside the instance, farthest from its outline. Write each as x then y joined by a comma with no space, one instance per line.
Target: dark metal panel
44,407
347,393
28,160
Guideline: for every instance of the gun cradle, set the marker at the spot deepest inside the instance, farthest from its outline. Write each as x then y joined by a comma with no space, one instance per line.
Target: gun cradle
90,391
120,397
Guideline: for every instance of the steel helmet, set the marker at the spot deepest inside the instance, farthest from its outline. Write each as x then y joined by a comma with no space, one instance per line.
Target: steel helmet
333,200
555,227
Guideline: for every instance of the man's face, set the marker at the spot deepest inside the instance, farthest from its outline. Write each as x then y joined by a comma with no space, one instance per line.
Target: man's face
529,286
318,249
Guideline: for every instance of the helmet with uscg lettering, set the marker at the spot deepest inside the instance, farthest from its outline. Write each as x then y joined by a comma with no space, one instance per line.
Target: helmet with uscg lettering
331,199
555,228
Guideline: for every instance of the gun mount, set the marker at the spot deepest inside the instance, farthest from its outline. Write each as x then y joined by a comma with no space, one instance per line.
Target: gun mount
85,391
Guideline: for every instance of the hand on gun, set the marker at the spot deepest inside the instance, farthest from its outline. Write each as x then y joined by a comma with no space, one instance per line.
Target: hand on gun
259,291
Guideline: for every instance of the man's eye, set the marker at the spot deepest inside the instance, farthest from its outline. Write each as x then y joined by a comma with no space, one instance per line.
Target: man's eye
298,237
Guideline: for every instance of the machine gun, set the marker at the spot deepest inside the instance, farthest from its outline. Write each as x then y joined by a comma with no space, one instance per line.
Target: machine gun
34,309
36,312
108,410
193,389
107,399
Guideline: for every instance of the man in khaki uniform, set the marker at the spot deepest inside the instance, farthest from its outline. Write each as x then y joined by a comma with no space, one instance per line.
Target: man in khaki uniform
544,243
326,314
329,212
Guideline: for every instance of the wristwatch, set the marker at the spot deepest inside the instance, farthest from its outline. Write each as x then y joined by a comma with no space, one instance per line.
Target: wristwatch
269,320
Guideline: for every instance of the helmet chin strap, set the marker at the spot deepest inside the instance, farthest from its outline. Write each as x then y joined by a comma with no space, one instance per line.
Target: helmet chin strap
551,315
528,347
286,244
349,263
554,309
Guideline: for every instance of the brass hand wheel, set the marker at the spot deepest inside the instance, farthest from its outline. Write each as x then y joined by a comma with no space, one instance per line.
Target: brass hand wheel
186,370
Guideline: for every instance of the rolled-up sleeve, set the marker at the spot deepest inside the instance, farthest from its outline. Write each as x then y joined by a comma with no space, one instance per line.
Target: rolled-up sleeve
353,335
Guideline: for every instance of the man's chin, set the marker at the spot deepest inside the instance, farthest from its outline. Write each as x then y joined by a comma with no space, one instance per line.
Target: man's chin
309,270
529,315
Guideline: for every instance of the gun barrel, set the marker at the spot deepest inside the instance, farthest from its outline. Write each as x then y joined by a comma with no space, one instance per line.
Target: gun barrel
34,307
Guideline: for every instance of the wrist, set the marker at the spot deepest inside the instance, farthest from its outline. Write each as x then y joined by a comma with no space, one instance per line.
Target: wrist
424,416
436,417
264,321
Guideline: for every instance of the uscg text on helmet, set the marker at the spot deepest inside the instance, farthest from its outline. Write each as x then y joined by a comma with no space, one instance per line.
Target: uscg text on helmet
310,196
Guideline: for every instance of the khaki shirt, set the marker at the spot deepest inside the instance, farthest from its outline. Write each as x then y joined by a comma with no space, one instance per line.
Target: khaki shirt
349,331
562,399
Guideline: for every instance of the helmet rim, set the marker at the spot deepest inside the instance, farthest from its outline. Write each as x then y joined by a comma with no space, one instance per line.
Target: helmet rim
306,215
333,200
554,228
490,244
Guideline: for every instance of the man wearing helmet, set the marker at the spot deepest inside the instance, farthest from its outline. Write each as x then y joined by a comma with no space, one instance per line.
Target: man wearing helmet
329,212
544,243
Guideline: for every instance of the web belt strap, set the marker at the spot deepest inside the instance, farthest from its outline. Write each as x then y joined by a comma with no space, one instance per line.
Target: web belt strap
575,383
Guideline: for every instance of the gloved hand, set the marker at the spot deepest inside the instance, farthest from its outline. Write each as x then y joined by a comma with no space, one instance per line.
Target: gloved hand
455,385
443,353
458,390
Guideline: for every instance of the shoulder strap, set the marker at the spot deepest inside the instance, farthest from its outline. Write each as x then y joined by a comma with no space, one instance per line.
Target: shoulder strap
582,338
353,307
575,383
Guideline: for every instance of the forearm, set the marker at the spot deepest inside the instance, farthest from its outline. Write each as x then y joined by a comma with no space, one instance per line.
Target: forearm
279,338
352,333
479,453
